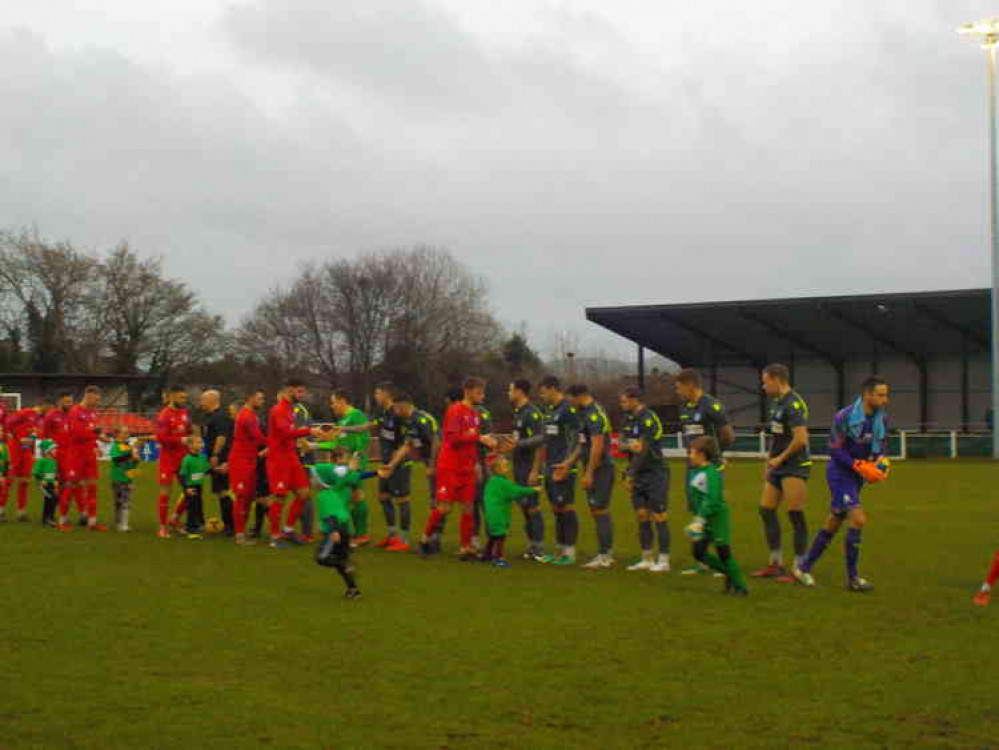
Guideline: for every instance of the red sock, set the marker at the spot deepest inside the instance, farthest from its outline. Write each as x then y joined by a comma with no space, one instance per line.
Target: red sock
498,547
4,493
80,499
22,496
433,523
294,511
92,500
994,572
179,509
65,495
467,527
239,507
274,516
163,503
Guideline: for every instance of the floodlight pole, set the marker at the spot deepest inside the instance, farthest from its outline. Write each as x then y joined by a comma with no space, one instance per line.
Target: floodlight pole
990,63
987,33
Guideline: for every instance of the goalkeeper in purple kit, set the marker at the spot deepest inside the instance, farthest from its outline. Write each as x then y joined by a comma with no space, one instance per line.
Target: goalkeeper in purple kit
857,446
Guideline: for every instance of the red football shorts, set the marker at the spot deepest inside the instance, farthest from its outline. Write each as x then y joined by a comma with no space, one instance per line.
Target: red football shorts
455,488
286,476
22,459
64,464
169,466
243,478
84,463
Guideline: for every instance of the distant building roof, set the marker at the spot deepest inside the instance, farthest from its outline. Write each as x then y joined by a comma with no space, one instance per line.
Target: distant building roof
918,326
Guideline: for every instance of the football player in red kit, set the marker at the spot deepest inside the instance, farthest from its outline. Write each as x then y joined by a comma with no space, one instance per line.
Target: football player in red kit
55,427
23,427
456,465
285,473
173,428
247,442
83,436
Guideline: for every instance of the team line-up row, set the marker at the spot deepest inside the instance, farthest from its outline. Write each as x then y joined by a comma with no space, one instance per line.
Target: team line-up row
316,471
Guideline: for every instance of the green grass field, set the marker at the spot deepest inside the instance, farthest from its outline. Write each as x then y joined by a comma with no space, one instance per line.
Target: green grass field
127,641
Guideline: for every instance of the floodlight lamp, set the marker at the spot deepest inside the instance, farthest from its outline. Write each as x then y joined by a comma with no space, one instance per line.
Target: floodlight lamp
986,32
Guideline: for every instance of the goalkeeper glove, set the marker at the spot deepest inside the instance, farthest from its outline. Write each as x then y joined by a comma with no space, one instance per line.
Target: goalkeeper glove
695,529
869,471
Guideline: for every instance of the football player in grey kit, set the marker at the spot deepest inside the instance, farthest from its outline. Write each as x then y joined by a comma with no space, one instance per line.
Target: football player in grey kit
528,437
598,471
561,451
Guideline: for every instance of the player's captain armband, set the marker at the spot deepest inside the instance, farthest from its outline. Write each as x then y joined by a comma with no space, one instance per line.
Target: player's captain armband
551,429
417,443
388,435
776,428
582,438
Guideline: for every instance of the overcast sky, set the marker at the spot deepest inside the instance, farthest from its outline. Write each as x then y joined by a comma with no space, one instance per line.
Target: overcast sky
574,152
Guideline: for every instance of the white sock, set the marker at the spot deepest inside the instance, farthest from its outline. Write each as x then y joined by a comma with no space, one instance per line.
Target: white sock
777,557
569,552
986,587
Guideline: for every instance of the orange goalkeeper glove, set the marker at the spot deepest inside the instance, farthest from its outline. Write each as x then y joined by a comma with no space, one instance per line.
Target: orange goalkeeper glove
869,471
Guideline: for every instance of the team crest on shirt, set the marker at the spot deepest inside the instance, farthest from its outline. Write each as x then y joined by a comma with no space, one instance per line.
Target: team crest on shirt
700,482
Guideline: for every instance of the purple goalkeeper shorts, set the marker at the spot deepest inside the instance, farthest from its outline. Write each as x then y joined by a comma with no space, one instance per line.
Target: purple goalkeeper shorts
845,493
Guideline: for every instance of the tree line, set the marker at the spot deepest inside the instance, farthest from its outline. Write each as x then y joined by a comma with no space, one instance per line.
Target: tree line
416,316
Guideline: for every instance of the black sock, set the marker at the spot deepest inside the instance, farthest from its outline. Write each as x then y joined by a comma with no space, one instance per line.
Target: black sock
571,533
798,523
771,528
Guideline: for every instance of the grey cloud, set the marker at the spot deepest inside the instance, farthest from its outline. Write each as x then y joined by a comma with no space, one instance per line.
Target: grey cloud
569,169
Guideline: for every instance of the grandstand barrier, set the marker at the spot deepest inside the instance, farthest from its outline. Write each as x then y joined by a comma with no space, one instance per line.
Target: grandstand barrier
903,444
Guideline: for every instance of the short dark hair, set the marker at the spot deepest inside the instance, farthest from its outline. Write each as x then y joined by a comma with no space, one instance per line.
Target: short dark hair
386,385
472,382
294,382
341,394
403,398
632,391
577,389
64,394
550,381
454,395
778,371
337,452
522,385
176,388
689,376
238,404
873,382
253,392
706,445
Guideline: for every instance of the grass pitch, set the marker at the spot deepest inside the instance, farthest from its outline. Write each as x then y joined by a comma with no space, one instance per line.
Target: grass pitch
126,641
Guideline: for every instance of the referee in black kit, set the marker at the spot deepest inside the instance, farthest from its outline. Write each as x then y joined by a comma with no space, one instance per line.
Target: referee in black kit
217,427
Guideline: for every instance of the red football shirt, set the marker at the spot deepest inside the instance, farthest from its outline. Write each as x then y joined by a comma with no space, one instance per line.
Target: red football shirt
83,429
172,426
461,432
55,426
282,434
23,424
247,437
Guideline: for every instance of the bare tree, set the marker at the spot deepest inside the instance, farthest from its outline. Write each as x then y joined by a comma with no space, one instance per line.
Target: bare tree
413,315
48,288
152,323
